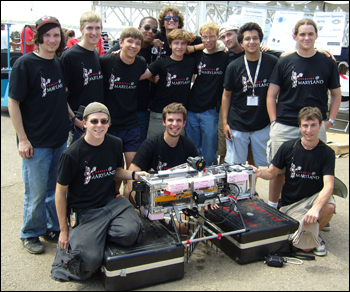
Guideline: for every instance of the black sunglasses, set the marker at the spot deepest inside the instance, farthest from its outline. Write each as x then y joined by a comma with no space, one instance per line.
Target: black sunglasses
95,121
148,27
175,18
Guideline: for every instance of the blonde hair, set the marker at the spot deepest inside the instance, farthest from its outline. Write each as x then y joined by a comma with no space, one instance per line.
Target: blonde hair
89,16
209,27
179,34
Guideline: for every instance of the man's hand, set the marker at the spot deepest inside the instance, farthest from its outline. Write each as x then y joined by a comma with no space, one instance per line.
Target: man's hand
155,79
116,52
265,49
25,149
327,53
227,132
63,239
157,43
311,216
256,170
138,174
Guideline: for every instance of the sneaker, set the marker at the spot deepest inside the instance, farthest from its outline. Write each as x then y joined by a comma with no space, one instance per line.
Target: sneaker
327,227
33,245
52,236
320,250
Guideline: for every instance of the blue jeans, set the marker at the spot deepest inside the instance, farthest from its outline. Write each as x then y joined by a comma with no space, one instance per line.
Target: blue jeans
202,129
40,176
143,120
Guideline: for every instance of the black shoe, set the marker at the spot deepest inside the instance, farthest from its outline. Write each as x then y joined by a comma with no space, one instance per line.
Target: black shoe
52,236
33,245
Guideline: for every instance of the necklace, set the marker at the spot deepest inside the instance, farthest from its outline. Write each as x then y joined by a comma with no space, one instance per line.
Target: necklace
307,147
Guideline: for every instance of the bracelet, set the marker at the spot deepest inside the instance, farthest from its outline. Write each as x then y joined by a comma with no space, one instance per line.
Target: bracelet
133,175
194,48
73,118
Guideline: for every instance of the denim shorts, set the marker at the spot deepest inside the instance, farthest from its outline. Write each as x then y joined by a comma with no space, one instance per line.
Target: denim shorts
130,138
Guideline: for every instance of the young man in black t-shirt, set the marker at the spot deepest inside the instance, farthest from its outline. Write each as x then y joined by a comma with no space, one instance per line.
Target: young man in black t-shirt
175,75
298,80
145,90
38,110
86,196
165,150
82,71
245,117
206,93
122,73
309,177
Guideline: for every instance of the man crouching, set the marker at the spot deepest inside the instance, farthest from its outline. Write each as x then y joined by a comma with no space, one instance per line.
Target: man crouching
95,212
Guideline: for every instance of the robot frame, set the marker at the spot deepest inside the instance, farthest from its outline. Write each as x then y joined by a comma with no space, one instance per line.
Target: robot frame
190,187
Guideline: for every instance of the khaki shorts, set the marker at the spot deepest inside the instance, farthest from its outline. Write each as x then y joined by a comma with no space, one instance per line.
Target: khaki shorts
280,133
221,137
299,209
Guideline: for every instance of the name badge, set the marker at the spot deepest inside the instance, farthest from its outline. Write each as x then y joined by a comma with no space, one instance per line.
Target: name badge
252,100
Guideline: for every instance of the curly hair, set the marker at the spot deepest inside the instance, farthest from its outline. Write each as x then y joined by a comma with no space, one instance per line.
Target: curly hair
248,27
164,12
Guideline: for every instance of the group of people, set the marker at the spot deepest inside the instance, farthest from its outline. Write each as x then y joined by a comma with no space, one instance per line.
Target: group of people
140,91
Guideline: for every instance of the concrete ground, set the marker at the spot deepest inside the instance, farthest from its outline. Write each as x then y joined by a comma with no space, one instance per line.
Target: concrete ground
205,271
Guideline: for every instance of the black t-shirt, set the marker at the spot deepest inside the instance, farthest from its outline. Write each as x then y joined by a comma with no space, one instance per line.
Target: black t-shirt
38,84
82,70
304,169
166,51
304,82
157,154
145,90
242,117
174,81
88,171
233,56
208,86
120,84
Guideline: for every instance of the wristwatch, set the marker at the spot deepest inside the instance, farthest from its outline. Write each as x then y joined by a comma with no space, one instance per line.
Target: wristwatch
332,122
73,118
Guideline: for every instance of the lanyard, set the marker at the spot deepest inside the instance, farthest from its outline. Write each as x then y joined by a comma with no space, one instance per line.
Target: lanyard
256,72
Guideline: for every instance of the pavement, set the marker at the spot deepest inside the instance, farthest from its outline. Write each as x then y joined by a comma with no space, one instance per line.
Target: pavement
205,271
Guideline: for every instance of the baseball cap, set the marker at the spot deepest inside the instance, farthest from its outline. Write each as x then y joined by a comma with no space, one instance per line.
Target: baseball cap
46,19
226,27
95,107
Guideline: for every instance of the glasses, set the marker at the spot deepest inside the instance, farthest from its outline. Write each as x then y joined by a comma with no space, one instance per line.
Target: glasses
168,18
148,27
248,39
211,38
103,121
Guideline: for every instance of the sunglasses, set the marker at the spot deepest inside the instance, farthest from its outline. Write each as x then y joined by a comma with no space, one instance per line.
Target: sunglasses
168,18
103,121
148,27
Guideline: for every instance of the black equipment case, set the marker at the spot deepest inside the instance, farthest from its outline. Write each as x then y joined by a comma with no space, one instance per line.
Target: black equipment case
159,258
268,230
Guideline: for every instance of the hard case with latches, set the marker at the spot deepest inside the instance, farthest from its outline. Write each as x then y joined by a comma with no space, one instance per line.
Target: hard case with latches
158,258
268,230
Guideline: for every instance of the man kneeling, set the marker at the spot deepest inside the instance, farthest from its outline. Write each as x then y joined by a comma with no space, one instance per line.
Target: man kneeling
95,212
309,180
